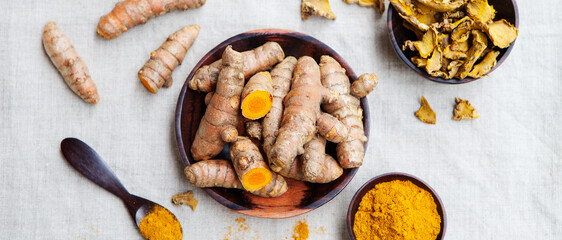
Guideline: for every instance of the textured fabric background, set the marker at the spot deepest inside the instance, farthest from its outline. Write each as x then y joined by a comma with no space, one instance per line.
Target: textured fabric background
499,176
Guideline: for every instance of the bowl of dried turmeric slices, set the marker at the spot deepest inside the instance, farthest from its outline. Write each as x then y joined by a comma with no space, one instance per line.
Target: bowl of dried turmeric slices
454,41
263,130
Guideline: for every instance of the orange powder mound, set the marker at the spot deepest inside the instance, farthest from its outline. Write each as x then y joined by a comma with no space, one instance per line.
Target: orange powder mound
300,232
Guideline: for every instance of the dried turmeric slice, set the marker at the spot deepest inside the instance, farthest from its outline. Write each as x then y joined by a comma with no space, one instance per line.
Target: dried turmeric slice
316,7
479,43
452,54
420,62
485,65
425,113
462,31
434,62
406,10
427,44
185,198
502,33
464,110
377,4
443,5
480,11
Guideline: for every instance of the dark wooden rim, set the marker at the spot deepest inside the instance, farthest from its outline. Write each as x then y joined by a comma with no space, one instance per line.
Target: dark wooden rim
354,204
209,56
398,50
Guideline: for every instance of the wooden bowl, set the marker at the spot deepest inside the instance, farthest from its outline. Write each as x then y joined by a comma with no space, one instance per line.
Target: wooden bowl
387,177
301,197
506,9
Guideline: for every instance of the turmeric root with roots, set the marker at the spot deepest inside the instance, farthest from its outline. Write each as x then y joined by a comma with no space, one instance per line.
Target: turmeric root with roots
302,115
157,71
281,76
221,173
347,109
130,13
68,63
257,96
221,117
258,59
314,165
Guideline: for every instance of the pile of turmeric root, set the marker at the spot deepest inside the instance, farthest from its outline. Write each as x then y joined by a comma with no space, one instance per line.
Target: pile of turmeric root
277,122
454,36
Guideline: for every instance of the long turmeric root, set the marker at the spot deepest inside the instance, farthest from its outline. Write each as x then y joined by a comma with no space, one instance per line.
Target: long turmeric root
70,65
221,173
130,13
258,59
158,69
249,164
347,109
218,125
281,76
301,115
257,96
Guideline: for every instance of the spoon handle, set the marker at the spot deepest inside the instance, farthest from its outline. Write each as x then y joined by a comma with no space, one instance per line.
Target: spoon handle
86,161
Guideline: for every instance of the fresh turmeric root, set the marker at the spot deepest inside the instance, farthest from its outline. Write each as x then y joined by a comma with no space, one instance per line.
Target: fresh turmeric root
347,109
254,129
218,125
212,173
302,115
68,63
130,13
281,76
258,59
221,173
157,71
364,85
314,165
249,164
257,96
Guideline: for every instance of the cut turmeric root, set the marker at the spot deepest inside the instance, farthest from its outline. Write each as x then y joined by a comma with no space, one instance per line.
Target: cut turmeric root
255,60
249,164
130,13
221,173
69,64
157,71
256,96
218,125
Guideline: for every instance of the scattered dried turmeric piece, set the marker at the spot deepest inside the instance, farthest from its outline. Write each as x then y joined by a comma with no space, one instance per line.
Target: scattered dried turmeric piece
317,7
485,65
464,110
502,33
185,198
425,113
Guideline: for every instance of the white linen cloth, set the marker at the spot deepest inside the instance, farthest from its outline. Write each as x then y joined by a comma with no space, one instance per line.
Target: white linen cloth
499,176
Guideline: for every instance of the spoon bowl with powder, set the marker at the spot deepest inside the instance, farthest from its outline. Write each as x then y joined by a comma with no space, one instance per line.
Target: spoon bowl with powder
397,196
153,220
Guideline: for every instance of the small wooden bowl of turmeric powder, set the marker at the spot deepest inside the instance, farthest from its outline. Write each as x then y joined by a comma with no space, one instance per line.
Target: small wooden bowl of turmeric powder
396,206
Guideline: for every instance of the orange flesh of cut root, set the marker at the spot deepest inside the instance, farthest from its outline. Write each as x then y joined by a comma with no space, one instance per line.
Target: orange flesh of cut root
256,179
146,84
257,104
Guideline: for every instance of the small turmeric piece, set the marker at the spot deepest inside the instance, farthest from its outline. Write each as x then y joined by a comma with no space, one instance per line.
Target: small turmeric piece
364,85
463,110
254,129
185,198
317,7
425,113
257,96
157,71
218,125
130,13
258,59
249,164
485,65
502,33
68,63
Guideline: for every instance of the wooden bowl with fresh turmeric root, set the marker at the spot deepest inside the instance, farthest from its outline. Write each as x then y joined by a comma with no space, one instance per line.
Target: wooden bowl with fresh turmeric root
298,197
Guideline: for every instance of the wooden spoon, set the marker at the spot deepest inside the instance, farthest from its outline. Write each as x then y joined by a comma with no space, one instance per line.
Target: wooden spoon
86,161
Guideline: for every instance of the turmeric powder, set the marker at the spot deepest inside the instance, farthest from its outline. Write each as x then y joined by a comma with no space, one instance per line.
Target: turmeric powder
160,224
397,210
